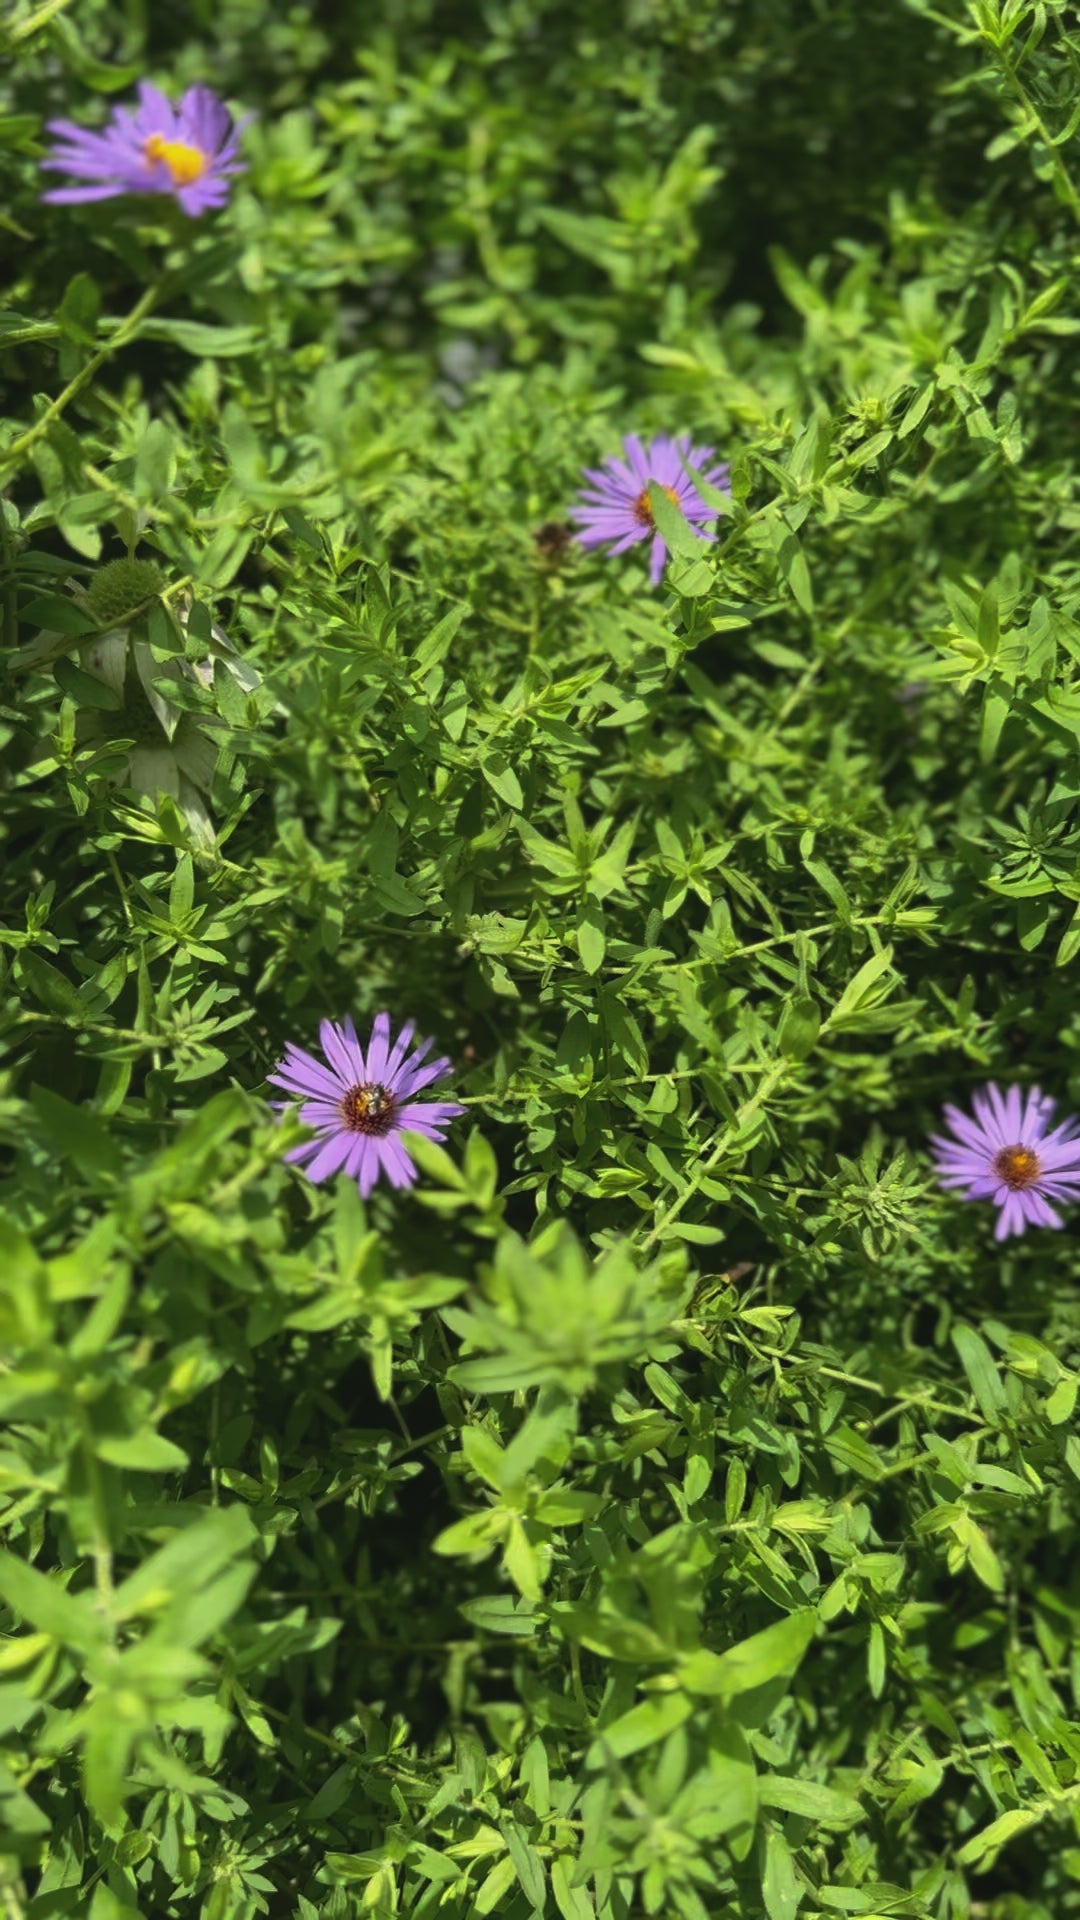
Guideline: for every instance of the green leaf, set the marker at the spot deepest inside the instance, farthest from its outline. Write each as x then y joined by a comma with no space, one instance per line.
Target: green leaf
765,1656
799,1027
793,566
85,688
852,1453
188,1563
51,987
780,1888
155,462
673,524
983,1377
57,616
590,936
145,1452
205,342
79,1135
70,1618
501,1613
527,1865
642,1726
807,1798
502,779
993,1838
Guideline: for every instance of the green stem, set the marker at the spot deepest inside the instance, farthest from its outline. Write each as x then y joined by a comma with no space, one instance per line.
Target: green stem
775,1073
1062,177
11,455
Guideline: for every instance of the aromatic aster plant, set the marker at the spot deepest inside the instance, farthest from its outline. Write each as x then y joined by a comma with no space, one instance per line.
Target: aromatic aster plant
618,1457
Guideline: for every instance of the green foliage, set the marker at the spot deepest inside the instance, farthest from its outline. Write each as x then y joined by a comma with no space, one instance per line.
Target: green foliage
667,1507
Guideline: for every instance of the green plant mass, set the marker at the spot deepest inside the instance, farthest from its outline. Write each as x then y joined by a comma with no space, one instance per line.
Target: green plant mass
539,960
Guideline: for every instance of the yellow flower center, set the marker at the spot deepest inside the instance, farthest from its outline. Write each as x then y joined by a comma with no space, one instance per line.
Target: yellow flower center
186,164
642,508
1018,1167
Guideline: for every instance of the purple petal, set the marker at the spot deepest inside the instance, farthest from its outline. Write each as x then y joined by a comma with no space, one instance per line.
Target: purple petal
1010,1219
1060,1186
1038,1212
657,558
347,1062
632,538
1010,1112
966,1130
608,483
155,113
204,120
398,1167
370,1167
361,1151
321,1113
637,463
305,1151
404,1066
331,1156
1061,1145
201,196
986,1104
665,466
77,196
300,1072
429,1117
378,1045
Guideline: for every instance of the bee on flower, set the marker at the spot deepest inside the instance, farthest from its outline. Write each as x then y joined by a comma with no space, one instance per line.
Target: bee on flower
359,1100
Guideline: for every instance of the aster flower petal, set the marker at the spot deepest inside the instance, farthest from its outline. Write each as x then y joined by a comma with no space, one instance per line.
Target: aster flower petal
398,1166
378,1048
429,1116
965,1128
325,1114
371,1169
1060,1186
360,1152
410,1080
155,113
346,1068
332,1155
204,119
300,1072
307,1150
1039,1212
1009,1220
986,1114
77,196
1061,1140
640,462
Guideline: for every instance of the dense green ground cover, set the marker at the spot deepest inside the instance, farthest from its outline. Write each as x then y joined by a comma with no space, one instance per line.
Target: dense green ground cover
669,1507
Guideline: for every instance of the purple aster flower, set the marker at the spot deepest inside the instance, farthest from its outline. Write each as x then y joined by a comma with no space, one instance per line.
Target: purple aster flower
188,151
615,506
360,1102
1010,1154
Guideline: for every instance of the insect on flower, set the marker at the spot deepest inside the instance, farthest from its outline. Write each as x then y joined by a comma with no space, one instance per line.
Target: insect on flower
1011,1154
189,151
361,1100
